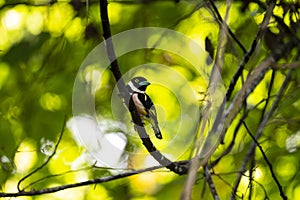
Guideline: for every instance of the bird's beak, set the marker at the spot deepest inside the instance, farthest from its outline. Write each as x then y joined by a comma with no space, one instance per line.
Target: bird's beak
144,83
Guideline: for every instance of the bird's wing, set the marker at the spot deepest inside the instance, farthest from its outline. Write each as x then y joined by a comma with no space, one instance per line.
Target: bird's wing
152,114
154,122
151,109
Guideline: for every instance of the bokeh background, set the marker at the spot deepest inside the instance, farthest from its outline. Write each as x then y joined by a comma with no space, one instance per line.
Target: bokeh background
44,43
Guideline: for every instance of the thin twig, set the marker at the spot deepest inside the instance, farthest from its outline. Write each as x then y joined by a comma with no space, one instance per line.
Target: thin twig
252,49
267,161
252,164
250,84
48,159
221,22
219,175
251,174
73,185
211,183
260,131
56,175
293,65
269,95
213,84
236,130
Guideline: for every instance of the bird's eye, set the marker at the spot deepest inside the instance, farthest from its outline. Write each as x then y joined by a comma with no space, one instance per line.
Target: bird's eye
136,80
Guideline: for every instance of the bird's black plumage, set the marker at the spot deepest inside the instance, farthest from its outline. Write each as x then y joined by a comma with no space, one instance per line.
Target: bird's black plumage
143,103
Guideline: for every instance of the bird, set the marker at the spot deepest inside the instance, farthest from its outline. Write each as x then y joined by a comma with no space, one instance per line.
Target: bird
137,88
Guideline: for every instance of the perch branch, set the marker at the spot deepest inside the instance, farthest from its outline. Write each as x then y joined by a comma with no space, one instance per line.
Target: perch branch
179,167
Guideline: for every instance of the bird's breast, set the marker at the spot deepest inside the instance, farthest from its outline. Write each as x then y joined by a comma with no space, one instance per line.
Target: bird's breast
139,105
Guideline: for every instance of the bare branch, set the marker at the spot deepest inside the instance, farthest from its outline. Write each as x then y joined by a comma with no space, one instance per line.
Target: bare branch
224,119
84,183
250,84
210,183
214,78
260,131
293,65
236,130
179,167
252,49
267,161
222,23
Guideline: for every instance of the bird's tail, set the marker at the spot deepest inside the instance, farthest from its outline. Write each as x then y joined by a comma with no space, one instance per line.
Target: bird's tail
154,124
157,132
156,129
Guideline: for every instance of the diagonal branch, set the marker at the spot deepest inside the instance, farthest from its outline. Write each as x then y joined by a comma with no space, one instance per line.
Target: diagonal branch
179,167
210,183
252,49
260,131
236,130
267,161
214,78
225,117
214,9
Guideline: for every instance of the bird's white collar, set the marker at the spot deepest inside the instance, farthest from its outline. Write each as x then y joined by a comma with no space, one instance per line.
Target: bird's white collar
135,89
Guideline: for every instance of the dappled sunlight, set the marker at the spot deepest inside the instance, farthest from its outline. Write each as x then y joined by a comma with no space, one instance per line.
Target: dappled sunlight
78,193
26,157
296,192
59,17
51,101
260,92
12,25
115,13
63,119
292,142
92,193
168,101
10,185
35,21
149,183
286,167
75,30
12,20
104,145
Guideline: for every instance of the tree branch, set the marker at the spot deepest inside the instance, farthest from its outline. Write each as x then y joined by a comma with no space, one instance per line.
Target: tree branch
211,183
236,130
260,130
214,78
267,161
179,167
222,23
84,183
252,49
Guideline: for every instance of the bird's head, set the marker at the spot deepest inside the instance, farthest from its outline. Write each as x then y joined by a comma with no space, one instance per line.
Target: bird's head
138,83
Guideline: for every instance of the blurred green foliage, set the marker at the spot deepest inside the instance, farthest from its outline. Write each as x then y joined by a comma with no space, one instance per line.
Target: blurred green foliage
42,45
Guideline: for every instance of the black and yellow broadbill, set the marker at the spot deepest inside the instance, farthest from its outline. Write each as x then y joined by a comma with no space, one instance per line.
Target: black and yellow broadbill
144,105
